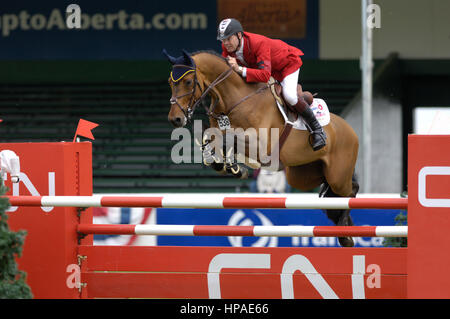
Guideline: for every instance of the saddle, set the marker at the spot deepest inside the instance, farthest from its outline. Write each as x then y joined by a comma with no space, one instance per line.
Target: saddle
275,88
292,116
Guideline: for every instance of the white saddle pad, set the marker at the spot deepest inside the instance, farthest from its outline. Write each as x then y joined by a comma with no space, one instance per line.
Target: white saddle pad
320,110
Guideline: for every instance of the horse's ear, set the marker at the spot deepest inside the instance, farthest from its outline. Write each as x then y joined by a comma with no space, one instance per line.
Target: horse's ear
171,59
187,58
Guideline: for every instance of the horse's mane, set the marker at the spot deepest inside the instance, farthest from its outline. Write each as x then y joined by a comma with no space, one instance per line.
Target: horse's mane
212,52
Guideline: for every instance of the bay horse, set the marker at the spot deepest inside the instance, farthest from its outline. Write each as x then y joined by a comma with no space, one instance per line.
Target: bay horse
251,105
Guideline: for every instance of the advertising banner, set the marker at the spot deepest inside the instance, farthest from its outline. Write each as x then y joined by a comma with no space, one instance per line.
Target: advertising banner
141,29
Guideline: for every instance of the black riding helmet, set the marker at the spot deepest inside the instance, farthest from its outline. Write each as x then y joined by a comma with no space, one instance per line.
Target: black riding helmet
227,28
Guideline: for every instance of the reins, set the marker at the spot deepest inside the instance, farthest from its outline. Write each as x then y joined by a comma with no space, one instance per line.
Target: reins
266,86
222,77
210,111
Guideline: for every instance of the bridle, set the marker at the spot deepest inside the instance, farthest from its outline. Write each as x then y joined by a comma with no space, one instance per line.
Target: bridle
174,99
192,105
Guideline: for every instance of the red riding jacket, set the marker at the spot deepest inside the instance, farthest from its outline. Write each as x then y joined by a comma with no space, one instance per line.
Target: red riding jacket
267,57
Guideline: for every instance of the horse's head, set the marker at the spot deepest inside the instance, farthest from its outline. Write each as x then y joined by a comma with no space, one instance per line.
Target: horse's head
183,83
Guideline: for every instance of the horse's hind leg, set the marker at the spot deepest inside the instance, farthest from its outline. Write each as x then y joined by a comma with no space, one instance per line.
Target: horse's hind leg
340,217
339,174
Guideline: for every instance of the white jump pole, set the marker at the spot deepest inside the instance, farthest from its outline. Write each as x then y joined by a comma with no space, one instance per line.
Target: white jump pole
210,201
257,231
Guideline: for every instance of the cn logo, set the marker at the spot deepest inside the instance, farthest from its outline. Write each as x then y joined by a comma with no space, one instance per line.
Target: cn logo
422,191
32,189
291,265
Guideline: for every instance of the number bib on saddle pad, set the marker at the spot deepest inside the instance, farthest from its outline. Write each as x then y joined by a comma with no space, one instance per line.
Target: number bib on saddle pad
320,110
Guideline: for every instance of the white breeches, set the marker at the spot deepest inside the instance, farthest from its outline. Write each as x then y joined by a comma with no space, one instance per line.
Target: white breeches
289,88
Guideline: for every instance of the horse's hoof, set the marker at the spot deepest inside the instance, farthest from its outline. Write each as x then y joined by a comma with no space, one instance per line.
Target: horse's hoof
346,241
244,172
219,168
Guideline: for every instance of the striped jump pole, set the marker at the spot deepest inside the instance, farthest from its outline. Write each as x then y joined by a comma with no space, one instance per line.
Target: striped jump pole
257,231
294,201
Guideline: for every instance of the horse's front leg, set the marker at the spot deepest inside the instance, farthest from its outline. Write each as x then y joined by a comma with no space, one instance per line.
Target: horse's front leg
233,167
221,156
211,157
229,153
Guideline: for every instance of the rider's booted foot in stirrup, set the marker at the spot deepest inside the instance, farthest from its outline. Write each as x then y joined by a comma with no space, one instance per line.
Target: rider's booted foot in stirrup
318,136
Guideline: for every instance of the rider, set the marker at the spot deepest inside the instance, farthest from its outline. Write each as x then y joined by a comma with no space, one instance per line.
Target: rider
256,58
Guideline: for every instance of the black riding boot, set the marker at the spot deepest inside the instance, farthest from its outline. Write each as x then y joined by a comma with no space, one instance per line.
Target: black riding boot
318,136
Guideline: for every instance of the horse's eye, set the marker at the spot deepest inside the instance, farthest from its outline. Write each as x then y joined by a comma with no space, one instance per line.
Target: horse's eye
188,82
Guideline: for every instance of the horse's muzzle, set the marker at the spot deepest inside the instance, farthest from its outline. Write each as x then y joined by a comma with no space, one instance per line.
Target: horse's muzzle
178,121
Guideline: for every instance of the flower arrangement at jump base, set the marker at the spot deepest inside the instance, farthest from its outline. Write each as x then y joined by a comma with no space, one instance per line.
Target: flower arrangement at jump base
12,280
